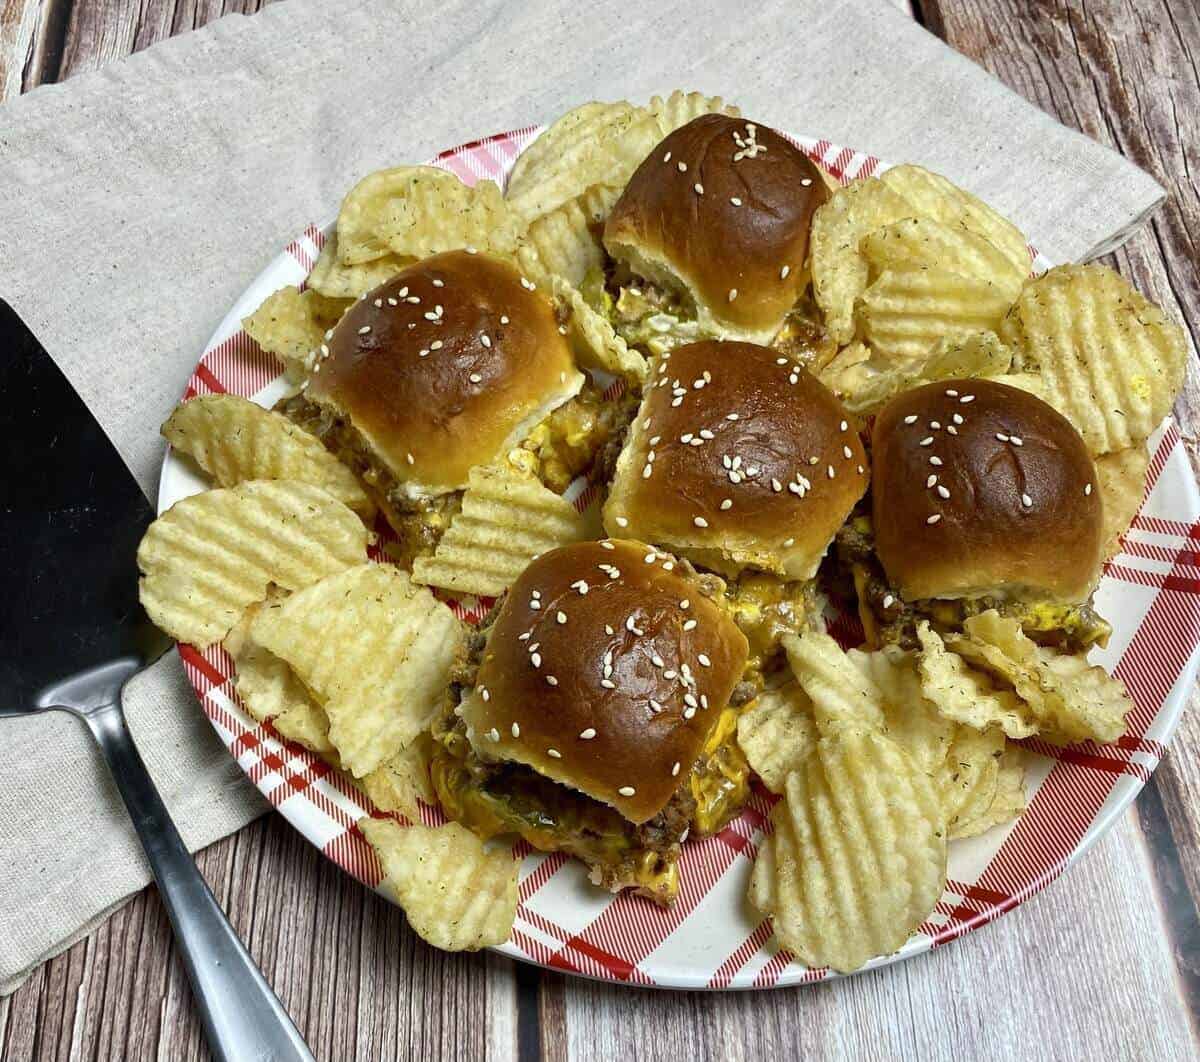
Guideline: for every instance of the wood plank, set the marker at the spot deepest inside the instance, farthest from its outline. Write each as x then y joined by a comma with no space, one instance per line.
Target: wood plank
17,21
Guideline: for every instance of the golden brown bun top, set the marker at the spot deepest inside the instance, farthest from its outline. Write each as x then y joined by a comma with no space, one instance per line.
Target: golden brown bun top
980,487
438,367
736,219
605,671
751,458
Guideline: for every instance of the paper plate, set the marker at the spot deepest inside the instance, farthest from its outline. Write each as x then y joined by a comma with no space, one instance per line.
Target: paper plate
711,938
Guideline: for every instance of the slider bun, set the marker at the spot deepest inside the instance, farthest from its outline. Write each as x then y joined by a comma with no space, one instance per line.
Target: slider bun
1008,447
424,417
790,465
703,245
636,746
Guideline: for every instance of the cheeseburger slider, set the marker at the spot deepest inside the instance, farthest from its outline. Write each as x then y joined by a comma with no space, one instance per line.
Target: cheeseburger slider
743,462
710,236
446,366
982,496
596,720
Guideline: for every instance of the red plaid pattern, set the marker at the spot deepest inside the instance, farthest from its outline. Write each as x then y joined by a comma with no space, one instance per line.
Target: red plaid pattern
1152,589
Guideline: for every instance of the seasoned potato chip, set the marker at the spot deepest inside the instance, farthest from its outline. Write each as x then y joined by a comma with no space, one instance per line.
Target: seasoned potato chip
418,211
402,782
457,895
595,344
859,852
864,385
234,440
936,197
270,690
508,518
681,107
839,270
906,313
967,696
909,719
337,281
209,556
1110,361
841,695
776,731
1007,803
566,239
596,143
967,781
292,324
761,894
921,243
374,649
1122,480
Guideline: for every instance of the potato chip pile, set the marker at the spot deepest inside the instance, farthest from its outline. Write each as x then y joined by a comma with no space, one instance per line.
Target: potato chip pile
880,759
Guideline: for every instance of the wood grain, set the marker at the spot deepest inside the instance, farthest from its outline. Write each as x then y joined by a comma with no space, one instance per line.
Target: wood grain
1121,935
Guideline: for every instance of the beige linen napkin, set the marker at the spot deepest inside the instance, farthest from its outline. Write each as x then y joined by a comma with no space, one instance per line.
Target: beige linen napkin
138,201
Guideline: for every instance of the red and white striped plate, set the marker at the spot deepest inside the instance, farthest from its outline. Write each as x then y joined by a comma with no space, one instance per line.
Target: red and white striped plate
709,939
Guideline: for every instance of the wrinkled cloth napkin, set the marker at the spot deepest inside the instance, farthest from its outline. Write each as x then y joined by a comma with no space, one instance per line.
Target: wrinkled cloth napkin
138,201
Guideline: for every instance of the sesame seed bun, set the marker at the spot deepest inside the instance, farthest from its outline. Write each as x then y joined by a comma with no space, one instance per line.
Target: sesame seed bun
729,232
590,687
983,489
752,463
439,385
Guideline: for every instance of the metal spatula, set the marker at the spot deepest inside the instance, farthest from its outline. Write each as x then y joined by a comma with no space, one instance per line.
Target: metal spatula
72,634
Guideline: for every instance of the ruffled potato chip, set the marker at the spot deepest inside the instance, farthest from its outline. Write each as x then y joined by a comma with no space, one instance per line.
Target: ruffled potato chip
458,896
507,519
292,324
1110,361
906,313
938,198
681,107
777,731
858,857
374,649
211,555
567,239
1122,480
594,144
402,784
416,211
337,281
839,269
842,696
234,440
1007,803
968,779
593,339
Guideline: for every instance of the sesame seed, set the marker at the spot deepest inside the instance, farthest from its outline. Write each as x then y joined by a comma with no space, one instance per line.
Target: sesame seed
952,430
704,660
776,486
485,693
732,294
933,519
788,543
677,402
685,604
554,754
731,416
927,441
622,521
528,284
607,545
957,418
888,600
392,302
675,769
669,674
703,700
689,712
471,250
935,461
422,353
551,680
1001,437
608,629
650,558
698,188
655,707
1026,500
861,470
951,392
430,315
1016,440
1087,490
667,157
931,481
805,182
561,617
942,491
588,734
848,452
364,330
726,504
706,434
608,684
535,604
735,200
475,377
516,730
439,283
690,700
844,425
494,734
628,790
658,661
414,299
967,398
829,471
690,625
784,272
523,637
699,521
536,659
813,461
781,361
910,419
436,345
504,318
329,334
934,425
486,340
682,167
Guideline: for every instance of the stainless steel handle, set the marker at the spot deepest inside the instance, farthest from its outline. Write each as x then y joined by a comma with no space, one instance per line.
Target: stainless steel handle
243,1019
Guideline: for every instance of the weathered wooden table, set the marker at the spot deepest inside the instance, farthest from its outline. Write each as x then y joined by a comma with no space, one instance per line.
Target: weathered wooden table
1104,962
